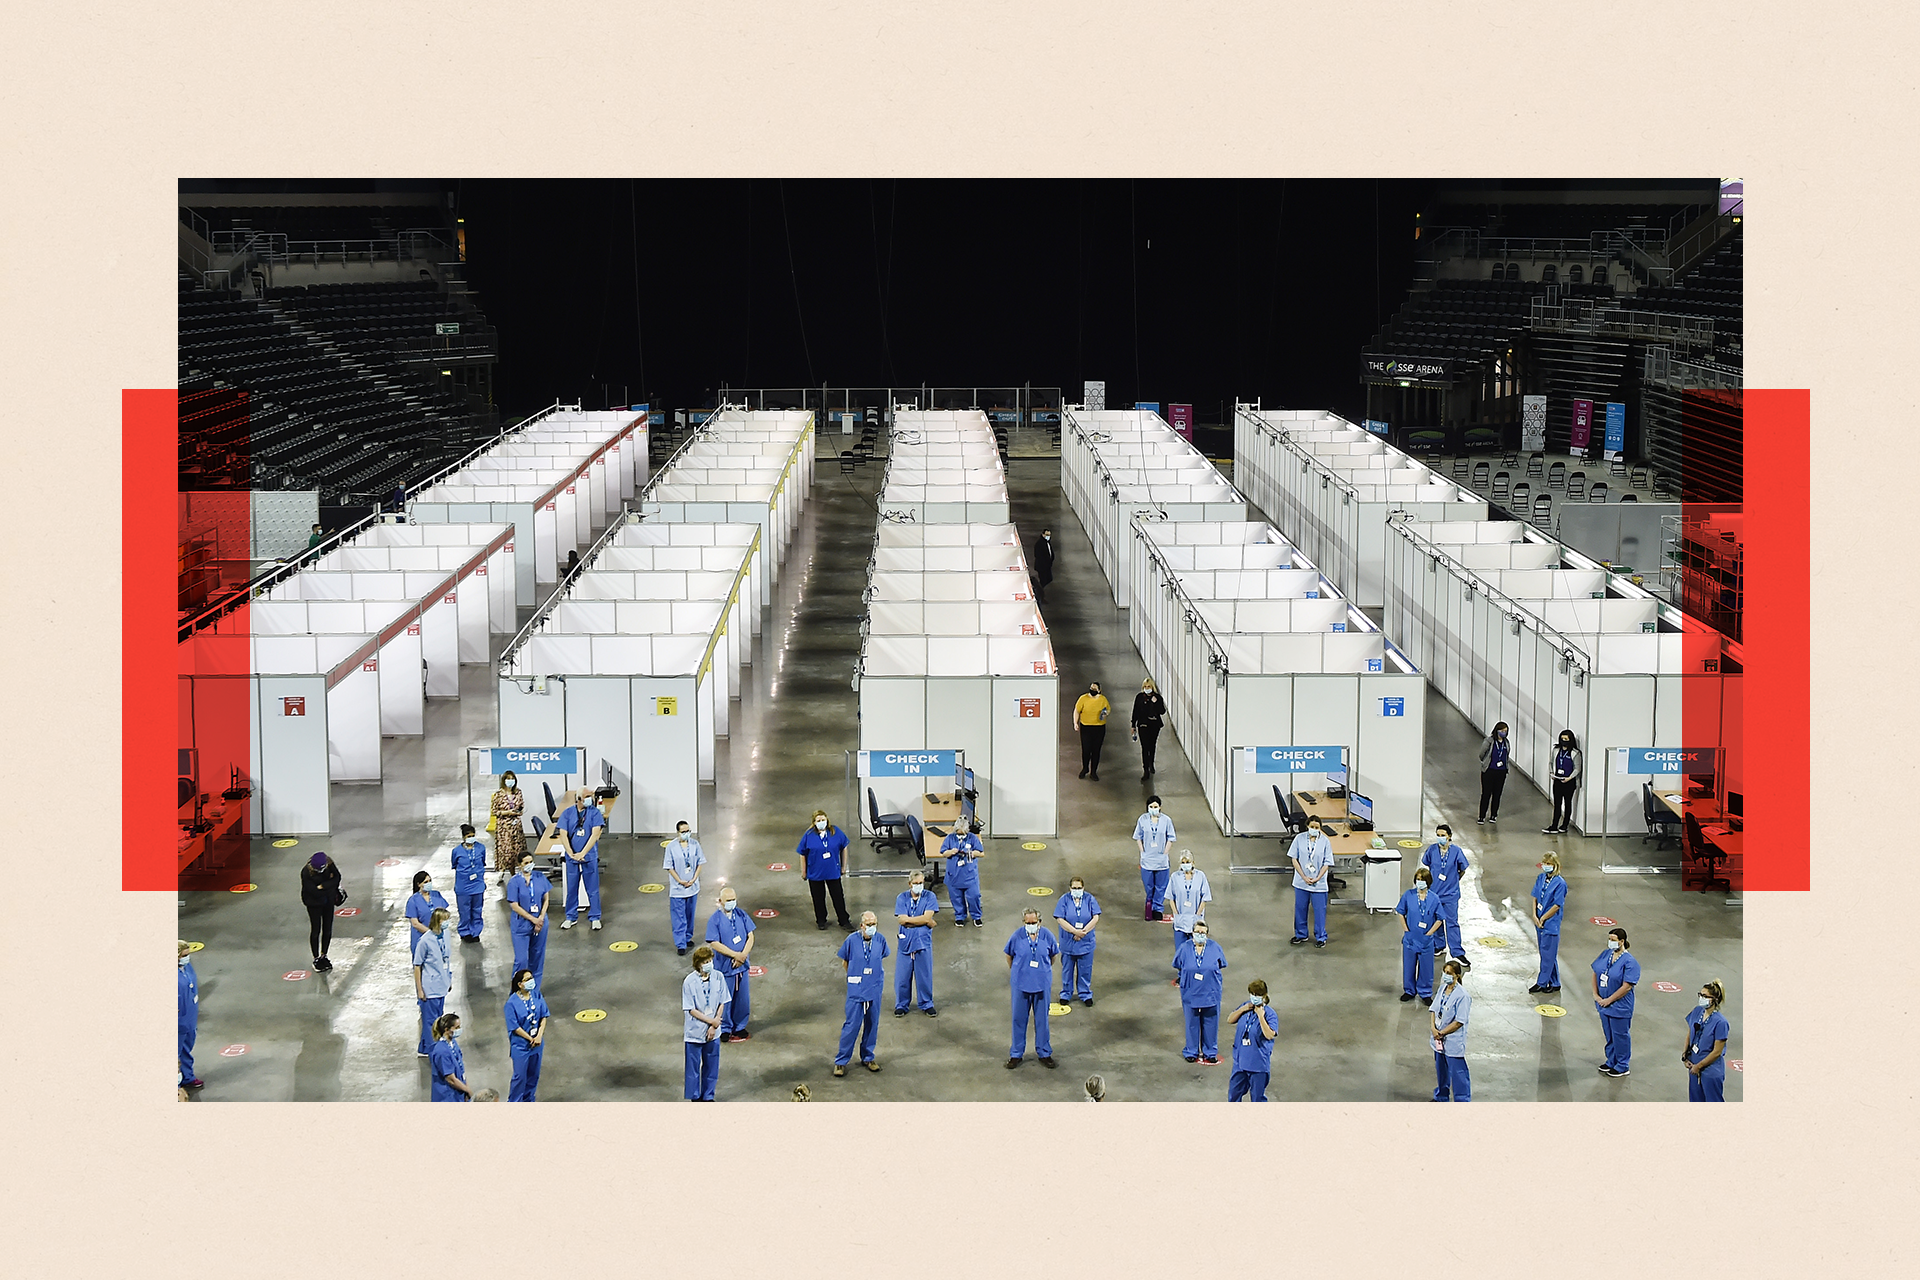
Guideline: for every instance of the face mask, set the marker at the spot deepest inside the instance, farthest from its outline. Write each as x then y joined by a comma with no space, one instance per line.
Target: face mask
914,890
1546,870
1256,1000
866,931
512,785
427,887
1421,885
527,871
1032,929
183,962
1613,944
820,825
1077,893
705,969
1313,831
1499,733
1452,977
468,842
728,905
685,836
1705,1001
1153,808
1438,838
1187,867
1566,742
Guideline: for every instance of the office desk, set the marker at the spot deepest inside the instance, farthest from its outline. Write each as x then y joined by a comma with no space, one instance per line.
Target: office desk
940,806
1675,802
1316,804
550,848
1349,847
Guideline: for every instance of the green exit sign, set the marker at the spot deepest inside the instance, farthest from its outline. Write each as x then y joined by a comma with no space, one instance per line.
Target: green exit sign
447,328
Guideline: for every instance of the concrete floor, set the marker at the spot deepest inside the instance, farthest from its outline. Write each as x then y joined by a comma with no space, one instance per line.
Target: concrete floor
1344,1035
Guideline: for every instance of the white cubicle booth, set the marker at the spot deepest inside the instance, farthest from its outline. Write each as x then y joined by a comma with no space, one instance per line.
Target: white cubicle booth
495,573
482,608
893,534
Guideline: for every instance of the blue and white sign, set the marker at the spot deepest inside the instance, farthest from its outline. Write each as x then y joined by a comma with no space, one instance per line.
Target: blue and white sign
1290,759
1376,426
531,760
1616,428
1339,626
1376,664
1669,759
908,764
1151,406
1393,706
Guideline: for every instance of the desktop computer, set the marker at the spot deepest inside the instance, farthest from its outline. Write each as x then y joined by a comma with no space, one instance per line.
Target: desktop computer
1359,812
1336,782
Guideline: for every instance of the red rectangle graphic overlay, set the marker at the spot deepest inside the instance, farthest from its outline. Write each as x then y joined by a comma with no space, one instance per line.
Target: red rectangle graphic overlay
149,577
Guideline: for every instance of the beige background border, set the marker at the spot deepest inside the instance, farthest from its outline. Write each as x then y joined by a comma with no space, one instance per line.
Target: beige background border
105,106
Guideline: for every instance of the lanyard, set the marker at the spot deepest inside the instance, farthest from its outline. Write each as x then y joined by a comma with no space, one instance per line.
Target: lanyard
1699,1030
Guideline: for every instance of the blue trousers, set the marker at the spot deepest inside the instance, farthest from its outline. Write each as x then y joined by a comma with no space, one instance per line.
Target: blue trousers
1076,976
1203,1032
188,1032
587,873
1155,883
703,1069
1710,1085
470,906
1251,1085
1450,912
1619,1035
1451,1083
739,1004
1549,957
1416,964
429,1011
1319,900
965,900
1031,1004
526,1071
912,968
863,1023
680,915
530,949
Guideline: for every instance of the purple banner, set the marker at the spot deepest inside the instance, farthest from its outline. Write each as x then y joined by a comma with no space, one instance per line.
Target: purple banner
1582,427
1180,418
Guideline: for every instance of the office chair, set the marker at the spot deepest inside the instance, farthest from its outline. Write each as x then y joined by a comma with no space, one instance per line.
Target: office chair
1698,850
919,838
1660,822
889,829
1289,817
553,810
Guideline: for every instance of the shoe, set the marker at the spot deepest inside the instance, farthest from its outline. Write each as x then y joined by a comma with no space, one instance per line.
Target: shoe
1096,775
1535,989
979,924
469,937
839,1070
1088,1002
1551,990
1048,1063
1294,942
1143,777
568,924
959,924
594,925
1479,822
679,951
1427,1001
847,925
1320,942
1605,1070
1406,997
1212,1062
932,1012
1464,962
1190,1059
418,1054
820,924
1549,831
871,1064
1159,917
1083,773
1493,818
195,1083
1012,1063
899,1013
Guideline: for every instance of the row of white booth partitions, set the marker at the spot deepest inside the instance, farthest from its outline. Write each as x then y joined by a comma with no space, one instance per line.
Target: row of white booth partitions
1118,465
955,655
638,657
1564,644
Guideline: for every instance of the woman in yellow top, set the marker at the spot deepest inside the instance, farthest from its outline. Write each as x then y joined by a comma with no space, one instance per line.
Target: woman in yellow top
1090,720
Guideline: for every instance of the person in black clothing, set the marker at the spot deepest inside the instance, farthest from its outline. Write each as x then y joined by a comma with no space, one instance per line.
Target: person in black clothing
1495,753
1149,714
1042,564
320,894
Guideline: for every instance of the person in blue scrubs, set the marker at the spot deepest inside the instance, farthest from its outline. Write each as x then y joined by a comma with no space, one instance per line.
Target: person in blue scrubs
1030,952
730,934
1549,911
420,907
469,883
1705,1056
432,975
863,959
446,1063
825,849
1200,964
1151,832
1187,896
682,865
1451,1010
1254,1028
1078,913
189,1018
1615,974
527,1013
703,1001
1312,856
527,895
1448,863
1419,912
963,851
915,912
584,824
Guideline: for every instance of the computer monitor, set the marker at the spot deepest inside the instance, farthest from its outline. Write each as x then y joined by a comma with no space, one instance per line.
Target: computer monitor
1359,807
1734,802
1337,777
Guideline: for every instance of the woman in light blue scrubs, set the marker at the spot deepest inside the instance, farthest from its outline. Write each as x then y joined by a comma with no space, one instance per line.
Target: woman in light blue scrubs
1452,1007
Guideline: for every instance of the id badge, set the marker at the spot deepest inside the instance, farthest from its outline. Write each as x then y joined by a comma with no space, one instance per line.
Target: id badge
852,981
1033,964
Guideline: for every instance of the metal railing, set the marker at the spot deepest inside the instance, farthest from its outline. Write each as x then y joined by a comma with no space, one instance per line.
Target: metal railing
1588,315
1514,610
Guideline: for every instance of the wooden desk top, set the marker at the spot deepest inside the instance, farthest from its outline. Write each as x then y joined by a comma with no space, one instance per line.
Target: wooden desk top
1728,842
553,842
939,806
1317,805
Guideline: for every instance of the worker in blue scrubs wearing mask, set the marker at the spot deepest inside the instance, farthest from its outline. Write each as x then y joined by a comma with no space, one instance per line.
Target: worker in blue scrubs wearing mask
703,1001
1705,1056
1312,856
863,959
469,883
1151,832
1615,974
915,911
962,850
189,1018
527,895
730,934
420,908
1030,952
1200,964
1419,912
1254,1027
446,1063
432,975
1078,913
682,865
1451,1010
1549,909
584,824
1188,894
1448,863
527,1014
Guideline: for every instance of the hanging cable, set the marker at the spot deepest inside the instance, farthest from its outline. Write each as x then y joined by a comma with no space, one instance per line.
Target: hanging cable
794,276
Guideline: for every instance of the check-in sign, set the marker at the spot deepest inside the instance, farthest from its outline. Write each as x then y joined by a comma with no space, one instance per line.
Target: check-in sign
1669,759
518,760
1289,759
908,764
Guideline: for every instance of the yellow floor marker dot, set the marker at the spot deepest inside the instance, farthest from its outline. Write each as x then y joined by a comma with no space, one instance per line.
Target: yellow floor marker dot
1039,892
196,946
1550,1011
243,888
590,1015
623,946
285,844
653,888
1491,942
1409,844
1033,844
1059,1010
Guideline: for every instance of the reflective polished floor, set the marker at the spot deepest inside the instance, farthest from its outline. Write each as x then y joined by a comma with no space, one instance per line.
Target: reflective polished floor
1344,1034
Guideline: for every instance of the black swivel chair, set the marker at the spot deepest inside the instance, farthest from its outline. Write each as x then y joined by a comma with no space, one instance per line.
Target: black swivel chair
890,830
1699,849
1289,815
553,810
1661,824
919,838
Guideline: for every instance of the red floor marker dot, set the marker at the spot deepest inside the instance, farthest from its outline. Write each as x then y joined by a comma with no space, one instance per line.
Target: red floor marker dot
756,971
1665,986
1603,922
387,862
233,1051
765,913
778,866
1738,1064
346,911
294,976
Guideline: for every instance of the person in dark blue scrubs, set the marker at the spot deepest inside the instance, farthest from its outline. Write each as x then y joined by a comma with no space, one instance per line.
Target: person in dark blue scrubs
1549,910
584,824
527,895
703,1005
1615,974
863,959
1705,1056
1030,952
1254,1028
447,1064
527,1013
1079,914
730,934
1201,964
1420,923
825,849
189,1018
420,907
962,850
1448,863
470,883
915,911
